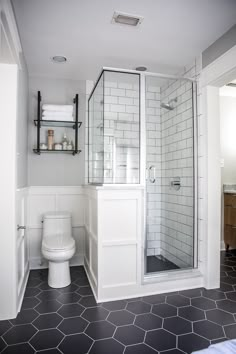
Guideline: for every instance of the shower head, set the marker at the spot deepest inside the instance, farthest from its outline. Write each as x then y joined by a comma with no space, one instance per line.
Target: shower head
169,105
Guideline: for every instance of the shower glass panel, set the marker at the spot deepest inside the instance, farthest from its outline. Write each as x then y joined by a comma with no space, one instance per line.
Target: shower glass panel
95,134
170,174
114,129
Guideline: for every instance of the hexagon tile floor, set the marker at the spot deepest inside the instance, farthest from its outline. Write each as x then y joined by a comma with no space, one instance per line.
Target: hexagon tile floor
69,321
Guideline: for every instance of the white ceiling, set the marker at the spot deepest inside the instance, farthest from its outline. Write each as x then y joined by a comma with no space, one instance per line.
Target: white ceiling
171,35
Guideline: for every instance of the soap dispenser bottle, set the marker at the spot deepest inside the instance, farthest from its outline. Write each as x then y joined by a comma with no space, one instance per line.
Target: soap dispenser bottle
64,142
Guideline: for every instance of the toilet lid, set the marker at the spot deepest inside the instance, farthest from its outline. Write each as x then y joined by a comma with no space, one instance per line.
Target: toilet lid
58,242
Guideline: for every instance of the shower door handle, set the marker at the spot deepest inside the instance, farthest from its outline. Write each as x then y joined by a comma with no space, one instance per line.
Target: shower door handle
152,173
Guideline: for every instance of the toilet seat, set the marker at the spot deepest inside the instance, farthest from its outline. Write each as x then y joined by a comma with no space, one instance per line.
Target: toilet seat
57,243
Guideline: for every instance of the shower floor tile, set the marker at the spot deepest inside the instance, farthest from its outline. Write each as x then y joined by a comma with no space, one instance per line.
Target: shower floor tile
159,264
68,320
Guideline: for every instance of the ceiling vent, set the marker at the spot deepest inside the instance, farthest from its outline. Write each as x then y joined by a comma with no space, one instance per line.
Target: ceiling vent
126,19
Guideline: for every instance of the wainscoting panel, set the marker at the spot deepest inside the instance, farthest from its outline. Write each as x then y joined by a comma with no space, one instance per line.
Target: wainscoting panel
44,199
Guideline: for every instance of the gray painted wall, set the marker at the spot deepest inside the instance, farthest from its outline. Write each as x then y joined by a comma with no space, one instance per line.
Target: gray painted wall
22,126
55,169
219,47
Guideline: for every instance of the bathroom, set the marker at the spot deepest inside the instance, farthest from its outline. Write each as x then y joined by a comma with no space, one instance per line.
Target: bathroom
138,182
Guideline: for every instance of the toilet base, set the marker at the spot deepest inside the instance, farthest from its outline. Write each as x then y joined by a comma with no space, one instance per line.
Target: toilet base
59,274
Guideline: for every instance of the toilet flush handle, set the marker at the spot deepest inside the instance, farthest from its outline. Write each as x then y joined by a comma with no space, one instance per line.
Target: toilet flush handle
20,227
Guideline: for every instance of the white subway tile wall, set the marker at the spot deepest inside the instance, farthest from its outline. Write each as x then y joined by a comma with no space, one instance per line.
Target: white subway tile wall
177,165
114,141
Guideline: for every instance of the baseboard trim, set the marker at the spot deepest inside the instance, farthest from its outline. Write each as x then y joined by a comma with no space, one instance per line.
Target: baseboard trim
23,287
41,263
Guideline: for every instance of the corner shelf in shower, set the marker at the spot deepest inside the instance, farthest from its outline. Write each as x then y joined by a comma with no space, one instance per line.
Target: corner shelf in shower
55,123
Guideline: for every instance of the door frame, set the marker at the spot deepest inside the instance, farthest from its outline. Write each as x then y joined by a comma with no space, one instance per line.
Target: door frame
214,76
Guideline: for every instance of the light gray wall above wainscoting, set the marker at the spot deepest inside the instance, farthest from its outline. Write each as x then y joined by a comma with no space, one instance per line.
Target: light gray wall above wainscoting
55,169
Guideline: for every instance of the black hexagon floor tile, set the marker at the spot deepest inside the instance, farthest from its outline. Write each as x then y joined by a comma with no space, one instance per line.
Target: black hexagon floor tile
138,307
81,325
2,345
70,310
220,317
115,305
30,303
4,326
25,316
23,348
203,303
160,340
19,334
107,346
130,334
154,299
178,300
47,321
68,298
95,314
100,330
227,305
140,349
48,306
164,310
213,294
208,330
29,292
48,295
76,344
46,339
50,351
191,313
231,295
121,318
85,291
73,325
177,325
88,301
230,331
172,351
191,293
192,342
148,321
69,289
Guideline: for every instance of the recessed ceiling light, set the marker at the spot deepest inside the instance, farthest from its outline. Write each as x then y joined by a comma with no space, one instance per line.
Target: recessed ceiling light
59,59
126,19
141,68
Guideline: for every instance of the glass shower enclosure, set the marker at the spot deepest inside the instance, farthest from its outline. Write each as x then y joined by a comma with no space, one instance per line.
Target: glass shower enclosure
142,131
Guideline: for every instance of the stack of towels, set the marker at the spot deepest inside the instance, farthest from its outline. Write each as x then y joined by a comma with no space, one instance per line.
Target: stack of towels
57,112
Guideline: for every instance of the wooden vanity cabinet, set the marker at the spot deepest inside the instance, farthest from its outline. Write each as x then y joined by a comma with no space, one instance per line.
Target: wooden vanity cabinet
230,220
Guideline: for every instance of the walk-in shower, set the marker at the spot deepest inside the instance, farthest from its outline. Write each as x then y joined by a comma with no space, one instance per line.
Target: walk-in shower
142,132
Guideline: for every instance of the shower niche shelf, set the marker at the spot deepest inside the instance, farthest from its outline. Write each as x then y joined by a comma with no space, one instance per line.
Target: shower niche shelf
60,124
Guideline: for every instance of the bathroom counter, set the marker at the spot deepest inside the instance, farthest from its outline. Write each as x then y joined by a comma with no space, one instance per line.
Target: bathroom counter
229,188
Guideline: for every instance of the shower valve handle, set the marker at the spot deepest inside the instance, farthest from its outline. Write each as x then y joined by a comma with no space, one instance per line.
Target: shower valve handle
152,173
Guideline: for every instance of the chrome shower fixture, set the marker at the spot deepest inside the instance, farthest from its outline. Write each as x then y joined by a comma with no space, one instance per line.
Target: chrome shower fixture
169,105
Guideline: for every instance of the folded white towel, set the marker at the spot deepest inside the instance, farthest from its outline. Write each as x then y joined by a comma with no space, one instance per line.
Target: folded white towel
59,118
57,114
58,107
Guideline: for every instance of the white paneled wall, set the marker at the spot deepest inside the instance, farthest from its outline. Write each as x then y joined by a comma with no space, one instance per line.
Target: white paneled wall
113,247
44,199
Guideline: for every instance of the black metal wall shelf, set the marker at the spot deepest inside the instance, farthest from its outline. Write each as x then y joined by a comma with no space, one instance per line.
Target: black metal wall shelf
73,152
55,123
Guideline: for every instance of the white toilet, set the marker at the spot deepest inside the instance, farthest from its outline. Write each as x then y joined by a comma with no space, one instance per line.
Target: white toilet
58,247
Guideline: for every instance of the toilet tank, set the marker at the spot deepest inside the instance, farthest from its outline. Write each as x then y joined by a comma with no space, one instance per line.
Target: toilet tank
55,223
